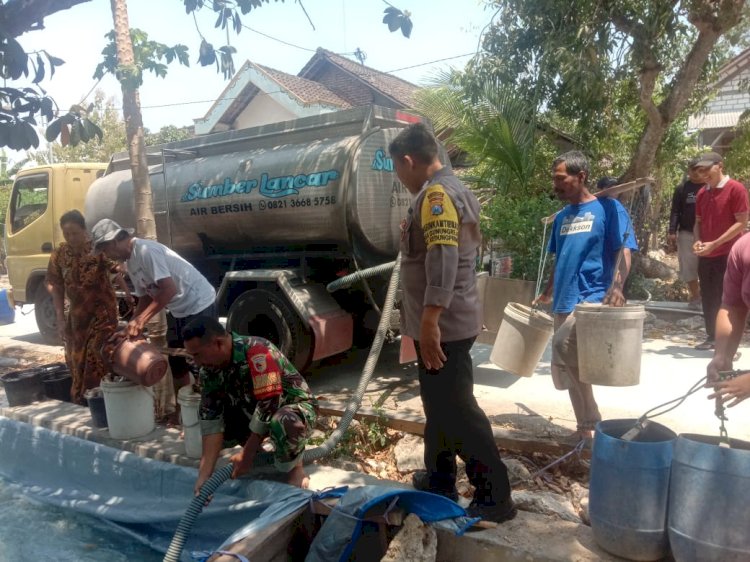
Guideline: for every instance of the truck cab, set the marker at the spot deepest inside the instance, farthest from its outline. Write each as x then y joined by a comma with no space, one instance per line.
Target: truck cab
38,198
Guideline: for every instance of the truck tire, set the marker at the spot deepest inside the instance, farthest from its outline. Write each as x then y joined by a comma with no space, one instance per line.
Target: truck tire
266,314
46,319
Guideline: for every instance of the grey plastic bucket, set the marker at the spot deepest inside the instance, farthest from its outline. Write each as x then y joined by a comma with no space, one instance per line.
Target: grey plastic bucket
521,339
709,500
609,343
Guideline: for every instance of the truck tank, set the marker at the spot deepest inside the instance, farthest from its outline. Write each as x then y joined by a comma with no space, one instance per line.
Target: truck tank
323,183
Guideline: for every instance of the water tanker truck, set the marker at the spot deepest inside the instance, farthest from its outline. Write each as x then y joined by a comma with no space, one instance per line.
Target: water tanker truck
272,214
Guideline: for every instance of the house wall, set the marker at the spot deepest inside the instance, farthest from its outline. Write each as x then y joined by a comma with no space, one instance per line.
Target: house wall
261,110
731,97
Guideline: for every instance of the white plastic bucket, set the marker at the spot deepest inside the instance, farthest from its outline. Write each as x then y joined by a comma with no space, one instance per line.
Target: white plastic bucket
521,339
190,402
609,343
129,407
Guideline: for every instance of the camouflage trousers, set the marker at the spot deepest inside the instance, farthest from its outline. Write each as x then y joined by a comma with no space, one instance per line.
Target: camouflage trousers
288,430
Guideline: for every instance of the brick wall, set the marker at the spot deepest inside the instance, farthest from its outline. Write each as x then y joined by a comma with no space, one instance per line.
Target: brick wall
731,97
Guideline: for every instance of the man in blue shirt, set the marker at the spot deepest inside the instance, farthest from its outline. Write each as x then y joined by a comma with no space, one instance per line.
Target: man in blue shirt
586,238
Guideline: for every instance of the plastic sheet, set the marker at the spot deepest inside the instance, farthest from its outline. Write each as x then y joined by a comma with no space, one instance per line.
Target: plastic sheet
142,497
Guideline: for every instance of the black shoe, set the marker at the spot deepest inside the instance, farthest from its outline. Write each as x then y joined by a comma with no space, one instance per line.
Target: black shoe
421,481
493,511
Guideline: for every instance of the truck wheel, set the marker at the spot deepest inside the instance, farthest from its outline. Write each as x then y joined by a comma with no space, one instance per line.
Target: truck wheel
46,319
264,313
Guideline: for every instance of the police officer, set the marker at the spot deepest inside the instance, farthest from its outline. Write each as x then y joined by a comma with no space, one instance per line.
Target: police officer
439,242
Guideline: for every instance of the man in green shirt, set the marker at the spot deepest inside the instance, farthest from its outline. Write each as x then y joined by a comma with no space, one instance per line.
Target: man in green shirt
248,384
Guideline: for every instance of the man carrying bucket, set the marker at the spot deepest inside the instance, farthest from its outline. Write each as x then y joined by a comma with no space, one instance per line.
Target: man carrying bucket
587,237
441,311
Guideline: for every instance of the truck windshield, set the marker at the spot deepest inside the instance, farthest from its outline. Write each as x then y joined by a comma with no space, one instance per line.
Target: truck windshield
28,200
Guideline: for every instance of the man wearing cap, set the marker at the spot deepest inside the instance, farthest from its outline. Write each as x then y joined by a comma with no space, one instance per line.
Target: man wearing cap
161,280
721,212
680,234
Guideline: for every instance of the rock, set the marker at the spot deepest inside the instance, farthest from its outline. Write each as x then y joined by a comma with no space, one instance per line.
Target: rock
546,503
326,422
517,470
409,453
655,269
415,542
376,466
650,319
464,488
691,323
583,512
345,464
317,435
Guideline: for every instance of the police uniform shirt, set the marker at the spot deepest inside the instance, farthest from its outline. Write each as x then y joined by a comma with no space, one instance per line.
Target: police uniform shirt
439,245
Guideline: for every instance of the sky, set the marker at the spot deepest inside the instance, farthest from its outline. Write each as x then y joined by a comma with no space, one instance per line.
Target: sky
443,29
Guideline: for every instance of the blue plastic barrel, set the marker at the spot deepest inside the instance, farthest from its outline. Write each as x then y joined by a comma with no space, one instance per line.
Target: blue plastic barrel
7,308
628,489
709,500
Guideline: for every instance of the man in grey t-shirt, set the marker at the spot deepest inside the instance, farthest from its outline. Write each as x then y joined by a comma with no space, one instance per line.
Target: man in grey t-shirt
161,280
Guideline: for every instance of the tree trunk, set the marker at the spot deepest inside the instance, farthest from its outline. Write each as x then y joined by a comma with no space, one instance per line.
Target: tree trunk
144,207
712,22
131,109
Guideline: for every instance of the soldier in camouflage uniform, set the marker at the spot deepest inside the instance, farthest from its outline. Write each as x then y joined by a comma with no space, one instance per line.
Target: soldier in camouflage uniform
249,390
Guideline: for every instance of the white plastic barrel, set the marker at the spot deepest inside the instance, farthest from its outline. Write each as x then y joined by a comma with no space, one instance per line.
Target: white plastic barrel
190,402
521,339
609,343
129,407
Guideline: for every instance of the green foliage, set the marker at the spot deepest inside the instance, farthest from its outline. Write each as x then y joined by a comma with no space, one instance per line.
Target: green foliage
491,123
149,56
74,127
20,104
166,134
100,148
498,130
395,19
737,158
5,189
516,221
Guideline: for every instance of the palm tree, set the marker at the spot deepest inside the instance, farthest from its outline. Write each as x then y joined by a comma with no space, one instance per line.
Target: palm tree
490,124
496,130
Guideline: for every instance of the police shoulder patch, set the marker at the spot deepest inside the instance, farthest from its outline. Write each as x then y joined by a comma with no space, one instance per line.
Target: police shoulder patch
439,218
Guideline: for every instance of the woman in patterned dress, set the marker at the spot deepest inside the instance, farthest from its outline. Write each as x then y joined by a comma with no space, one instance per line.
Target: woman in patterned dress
79,276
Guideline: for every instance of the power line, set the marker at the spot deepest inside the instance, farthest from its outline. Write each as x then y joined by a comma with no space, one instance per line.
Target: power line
430,62
279,40
282,91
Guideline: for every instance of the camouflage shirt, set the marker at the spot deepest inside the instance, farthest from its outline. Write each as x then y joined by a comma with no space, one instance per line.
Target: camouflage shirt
259,381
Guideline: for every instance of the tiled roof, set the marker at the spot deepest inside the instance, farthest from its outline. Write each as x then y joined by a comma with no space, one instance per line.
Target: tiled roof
732,68
307,91
714,120
391,86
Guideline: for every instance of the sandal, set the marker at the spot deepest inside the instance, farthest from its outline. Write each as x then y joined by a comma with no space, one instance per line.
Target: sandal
705,346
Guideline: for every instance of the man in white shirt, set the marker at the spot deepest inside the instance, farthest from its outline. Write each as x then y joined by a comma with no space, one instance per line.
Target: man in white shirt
161,280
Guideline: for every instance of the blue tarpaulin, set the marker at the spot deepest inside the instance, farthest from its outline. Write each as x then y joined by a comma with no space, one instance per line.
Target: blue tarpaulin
146,498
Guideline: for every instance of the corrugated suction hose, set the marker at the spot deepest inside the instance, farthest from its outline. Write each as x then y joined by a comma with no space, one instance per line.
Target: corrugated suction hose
220,476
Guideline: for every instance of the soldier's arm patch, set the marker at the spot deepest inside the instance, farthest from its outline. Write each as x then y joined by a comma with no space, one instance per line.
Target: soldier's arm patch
439,218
